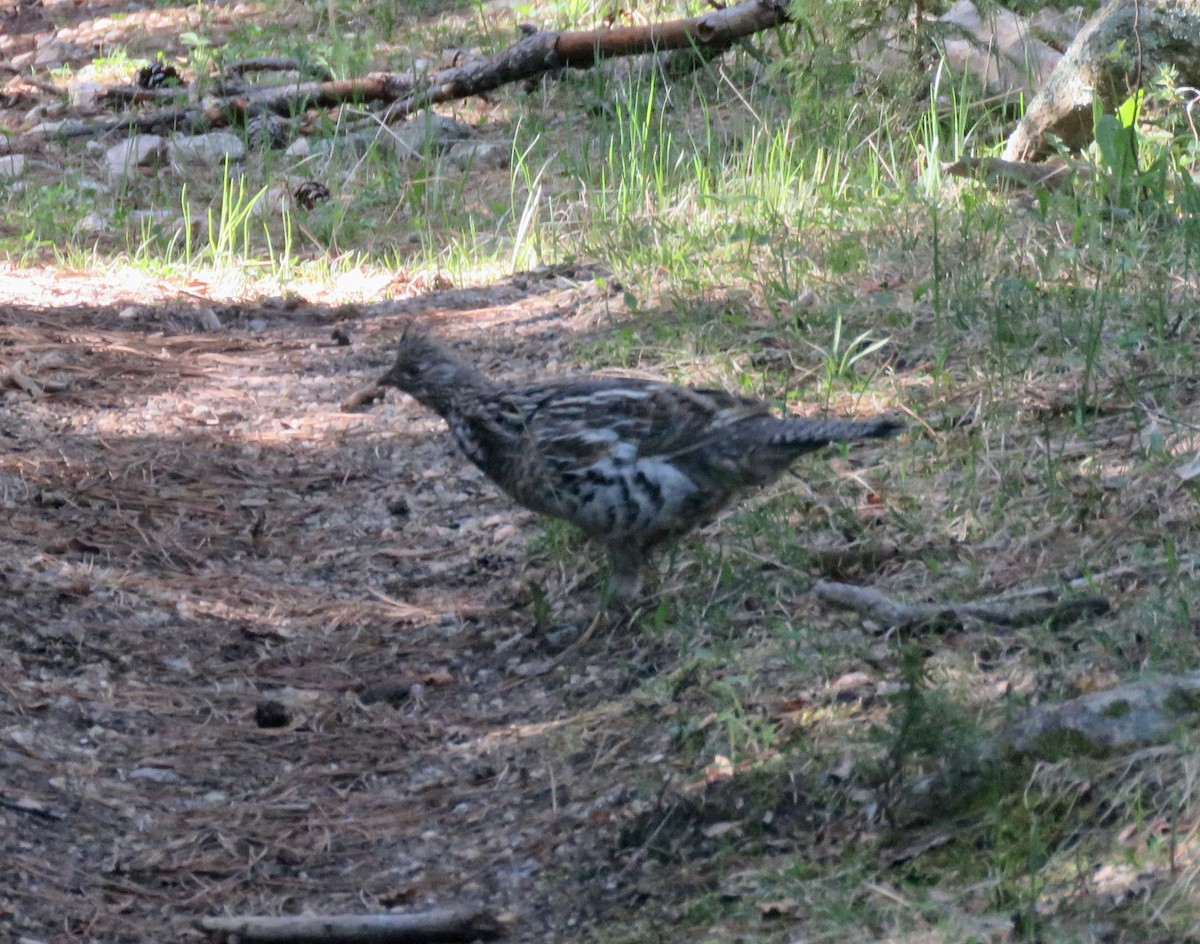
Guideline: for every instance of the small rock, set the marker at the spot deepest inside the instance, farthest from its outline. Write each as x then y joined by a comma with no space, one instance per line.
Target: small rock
93,223
480,155
193,228
209,149
45,129
301,147
355,145
208,321
154,775
427,133
12,166
142,150
150,216
51,53
83,95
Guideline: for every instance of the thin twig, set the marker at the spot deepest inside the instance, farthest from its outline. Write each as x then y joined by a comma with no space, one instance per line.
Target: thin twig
892,613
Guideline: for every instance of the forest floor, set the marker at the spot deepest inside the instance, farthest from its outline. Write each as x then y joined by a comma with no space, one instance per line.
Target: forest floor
201,543
260,654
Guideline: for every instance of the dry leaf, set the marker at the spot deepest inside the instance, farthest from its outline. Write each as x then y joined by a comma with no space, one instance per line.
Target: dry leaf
1190,470
717,830
720,769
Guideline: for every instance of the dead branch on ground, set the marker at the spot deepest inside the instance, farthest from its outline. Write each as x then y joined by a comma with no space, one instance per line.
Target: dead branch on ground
892,613
1007,176
447,925
539,52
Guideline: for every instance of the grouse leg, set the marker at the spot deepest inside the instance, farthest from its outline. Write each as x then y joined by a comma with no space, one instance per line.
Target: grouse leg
626,561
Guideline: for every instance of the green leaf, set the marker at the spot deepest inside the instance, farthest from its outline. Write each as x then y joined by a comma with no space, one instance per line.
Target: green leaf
1129,109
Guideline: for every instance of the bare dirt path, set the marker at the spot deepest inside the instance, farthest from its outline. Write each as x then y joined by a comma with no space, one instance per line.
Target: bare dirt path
198,545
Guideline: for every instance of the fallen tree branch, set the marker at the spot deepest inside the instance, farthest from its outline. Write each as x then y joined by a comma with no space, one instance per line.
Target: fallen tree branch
536,54
891,613
1017,175
540,52
545,51
445,926
194,118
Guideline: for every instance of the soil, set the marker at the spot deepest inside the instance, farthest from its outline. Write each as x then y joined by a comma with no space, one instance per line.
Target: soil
260,655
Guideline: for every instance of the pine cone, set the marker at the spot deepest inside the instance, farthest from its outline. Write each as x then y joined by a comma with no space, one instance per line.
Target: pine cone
631,462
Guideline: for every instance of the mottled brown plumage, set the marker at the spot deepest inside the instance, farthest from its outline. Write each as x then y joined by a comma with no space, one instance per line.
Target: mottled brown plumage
631,462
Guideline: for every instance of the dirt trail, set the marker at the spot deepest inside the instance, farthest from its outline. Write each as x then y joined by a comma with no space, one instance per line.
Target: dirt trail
194,530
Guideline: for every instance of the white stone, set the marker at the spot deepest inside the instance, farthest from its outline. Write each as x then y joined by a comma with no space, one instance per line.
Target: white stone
142,150
84,94
52,54
427,133
93,223
480,155
12,166
210,149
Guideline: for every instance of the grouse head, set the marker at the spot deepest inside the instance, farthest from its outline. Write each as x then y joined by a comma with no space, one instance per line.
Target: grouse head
432,373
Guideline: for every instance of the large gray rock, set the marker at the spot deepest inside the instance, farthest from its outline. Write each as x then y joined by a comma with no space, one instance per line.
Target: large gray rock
1125,43
210,149
1128,716
12,166
480,155
122,160
427,133
998,47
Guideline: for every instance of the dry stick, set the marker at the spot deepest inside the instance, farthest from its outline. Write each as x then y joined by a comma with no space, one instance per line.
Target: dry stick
1083,583
48,87
889,612
545,51
447,925
1017,175
193,118
536,54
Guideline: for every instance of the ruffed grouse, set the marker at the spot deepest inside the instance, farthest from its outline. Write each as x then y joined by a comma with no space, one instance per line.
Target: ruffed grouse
631,462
